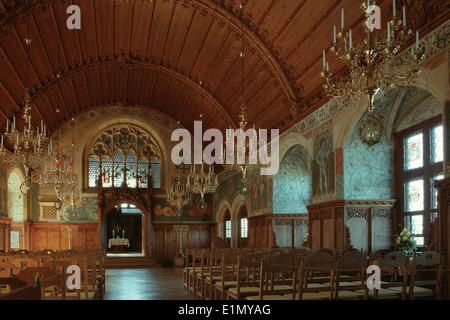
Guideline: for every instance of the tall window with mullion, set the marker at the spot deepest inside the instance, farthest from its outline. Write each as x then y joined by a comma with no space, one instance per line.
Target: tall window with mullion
120,151
422,149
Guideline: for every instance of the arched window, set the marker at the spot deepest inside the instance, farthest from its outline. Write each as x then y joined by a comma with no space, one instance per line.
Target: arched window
15,197
124,153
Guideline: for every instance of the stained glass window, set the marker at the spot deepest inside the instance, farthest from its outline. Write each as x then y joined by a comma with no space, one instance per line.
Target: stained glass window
124,150
423,154
434,192
107,171
156,174
244,228
119,165
437,144
131,164
414,152
142,173
94,171
414,195
414,224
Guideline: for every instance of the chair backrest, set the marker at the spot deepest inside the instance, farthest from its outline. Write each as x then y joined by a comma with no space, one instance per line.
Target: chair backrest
319,260
352,260
394,260
30,292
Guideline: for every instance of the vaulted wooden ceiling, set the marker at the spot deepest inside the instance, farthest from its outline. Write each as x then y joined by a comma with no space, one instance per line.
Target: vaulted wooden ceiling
180,58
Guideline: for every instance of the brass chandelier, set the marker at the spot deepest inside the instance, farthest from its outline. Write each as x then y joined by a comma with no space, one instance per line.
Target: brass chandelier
202,182
31,149
374,68
179,196
242,151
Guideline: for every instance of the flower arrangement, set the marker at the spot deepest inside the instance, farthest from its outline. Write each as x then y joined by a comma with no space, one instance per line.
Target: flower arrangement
405,241
305,241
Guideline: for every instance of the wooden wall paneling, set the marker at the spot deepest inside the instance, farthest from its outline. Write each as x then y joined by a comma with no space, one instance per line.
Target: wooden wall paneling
367,221
442,229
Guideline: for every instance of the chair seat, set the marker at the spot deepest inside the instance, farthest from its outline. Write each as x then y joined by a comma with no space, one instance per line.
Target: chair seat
227,284
416,290
318,285
268,297
309,296
244,290
383,292
350,294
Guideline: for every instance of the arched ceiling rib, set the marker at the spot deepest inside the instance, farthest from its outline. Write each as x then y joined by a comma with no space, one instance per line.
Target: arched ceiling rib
155,53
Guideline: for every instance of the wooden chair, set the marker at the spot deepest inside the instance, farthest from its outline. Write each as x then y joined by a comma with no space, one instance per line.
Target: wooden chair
272,282
30,292
426,273
23,263
351,270
214,273
247,281
392,288
316,277
228,275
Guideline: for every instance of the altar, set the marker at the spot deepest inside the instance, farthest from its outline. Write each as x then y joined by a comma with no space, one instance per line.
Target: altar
118,244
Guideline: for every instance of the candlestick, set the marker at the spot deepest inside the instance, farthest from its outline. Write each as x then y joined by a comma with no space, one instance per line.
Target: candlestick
350,36
389,32
324,60
334,36
404,17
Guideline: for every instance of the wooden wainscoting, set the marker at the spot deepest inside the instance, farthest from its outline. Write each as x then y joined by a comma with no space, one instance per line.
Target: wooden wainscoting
5,231
361,224
165,243
277,230
46,235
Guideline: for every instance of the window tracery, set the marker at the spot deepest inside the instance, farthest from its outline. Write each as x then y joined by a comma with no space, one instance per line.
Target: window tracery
123,155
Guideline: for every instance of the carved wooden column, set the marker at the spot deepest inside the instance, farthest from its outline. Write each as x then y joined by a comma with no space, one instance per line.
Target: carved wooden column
442,228
5,231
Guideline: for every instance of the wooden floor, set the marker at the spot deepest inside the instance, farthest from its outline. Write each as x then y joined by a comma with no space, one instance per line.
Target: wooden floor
145,284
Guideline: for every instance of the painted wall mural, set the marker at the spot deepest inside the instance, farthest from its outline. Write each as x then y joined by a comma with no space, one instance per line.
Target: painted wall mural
161,212
88,211
292,183
368,172
323,166
259,192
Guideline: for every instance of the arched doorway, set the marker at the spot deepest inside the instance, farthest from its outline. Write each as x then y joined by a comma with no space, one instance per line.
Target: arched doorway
145,225
124,230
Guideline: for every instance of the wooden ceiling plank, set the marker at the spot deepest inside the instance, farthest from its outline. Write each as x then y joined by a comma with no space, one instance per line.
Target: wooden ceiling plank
146,51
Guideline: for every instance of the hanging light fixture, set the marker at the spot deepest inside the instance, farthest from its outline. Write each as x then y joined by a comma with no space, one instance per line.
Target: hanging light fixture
374,67
31,149
179,196
73,196
202,181
242,151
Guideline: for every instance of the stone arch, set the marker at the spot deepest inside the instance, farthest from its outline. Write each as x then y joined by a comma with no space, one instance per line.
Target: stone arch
238,202
292,185
223,209
94,124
